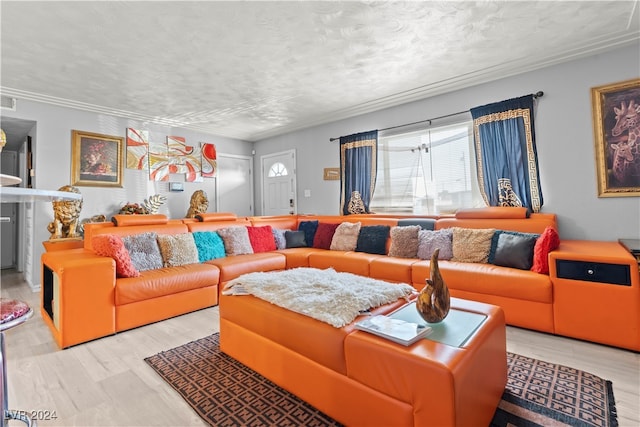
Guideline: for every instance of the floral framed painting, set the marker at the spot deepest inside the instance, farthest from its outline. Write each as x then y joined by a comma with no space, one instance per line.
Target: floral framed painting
616,127
96,160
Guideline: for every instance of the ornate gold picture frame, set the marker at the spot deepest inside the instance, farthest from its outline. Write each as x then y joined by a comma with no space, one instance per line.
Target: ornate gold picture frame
616,127
96,160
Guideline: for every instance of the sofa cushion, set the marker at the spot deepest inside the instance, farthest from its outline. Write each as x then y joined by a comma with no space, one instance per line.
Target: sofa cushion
373,239
512,249
261,238
471,244
144,250
236,240
548,241
209,244
309,228
404,241
178,249
429,241
112,246
346,236
295,239
324,235
278,236
165,281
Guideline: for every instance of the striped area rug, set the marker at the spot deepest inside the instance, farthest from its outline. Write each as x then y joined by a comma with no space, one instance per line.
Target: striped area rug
224,392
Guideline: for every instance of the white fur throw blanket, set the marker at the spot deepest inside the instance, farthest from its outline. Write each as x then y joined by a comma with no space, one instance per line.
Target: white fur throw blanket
326,295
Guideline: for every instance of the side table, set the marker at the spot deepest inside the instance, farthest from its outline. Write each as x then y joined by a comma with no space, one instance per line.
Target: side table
12,314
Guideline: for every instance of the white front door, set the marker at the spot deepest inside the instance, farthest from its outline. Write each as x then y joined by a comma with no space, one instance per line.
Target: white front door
235,184
279,183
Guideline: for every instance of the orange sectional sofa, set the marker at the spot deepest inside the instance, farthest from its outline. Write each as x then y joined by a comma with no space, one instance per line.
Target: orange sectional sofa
77,312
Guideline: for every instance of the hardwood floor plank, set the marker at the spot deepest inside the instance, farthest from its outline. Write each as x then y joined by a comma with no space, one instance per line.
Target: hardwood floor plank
106,382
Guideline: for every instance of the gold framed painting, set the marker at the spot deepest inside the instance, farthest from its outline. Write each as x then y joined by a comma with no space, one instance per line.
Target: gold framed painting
96,160
616,127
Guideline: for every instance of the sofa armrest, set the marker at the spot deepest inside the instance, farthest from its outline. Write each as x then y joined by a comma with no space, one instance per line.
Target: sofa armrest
78,295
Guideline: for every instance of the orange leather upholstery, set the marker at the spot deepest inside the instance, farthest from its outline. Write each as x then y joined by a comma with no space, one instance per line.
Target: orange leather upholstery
237,265
598,311
358,378
165,281
536,301
128,220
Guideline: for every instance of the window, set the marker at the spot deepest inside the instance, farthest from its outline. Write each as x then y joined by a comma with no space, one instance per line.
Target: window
277,169
427,171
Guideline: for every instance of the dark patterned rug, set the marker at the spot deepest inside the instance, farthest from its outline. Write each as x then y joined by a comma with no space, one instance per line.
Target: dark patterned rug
224,392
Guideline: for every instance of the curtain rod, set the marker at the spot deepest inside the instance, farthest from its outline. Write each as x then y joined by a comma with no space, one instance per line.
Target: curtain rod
535,95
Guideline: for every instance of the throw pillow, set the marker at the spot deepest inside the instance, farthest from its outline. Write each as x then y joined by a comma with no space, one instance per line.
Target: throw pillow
548,241
309,228
373,239
429,241
178,249
112,246
278,236
236,240
404,241
210,245
471,244
512,249
143,250
346,237
261,238
295,239
324,235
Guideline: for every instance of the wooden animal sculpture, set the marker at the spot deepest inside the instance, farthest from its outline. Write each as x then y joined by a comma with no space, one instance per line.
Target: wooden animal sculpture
434,301
199,204
66,214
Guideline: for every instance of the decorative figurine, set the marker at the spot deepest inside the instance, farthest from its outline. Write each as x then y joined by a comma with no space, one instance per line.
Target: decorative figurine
434,301
198,204
65,216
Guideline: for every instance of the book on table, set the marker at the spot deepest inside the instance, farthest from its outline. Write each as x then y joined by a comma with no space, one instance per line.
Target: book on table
396,330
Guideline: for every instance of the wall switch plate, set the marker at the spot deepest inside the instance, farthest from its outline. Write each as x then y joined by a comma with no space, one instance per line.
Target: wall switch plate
307,193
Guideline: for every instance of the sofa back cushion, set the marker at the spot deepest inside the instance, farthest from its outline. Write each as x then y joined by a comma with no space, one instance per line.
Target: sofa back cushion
112,246
179,249
261,238
210,245
144,250
429,241
309,228
404,241
548,241
373,239
346,237
512,249
324,235
472,245
236,240
278,236
295,239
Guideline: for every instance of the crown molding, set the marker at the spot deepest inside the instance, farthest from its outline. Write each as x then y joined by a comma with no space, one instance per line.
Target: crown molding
476,77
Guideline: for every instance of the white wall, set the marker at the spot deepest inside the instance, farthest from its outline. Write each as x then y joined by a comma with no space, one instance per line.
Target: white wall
52,162
564,132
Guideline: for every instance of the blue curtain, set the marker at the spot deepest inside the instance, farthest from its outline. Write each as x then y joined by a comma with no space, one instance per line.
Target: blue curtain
358,169
506,156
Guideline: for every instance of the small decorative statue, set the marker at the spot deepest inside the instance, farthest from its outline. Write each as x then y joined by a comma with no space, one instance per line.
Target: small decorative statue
65,216
356,204
199,204
153,203
434,301
95,218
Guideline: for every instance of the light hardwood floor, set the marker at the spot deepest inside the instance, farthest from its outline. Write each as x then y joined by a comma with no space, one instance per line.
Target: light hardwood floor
107,383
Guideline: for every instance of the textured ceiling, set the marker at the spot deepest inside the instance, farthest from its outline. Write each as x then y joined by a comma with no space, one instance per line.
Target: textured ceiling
251,70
